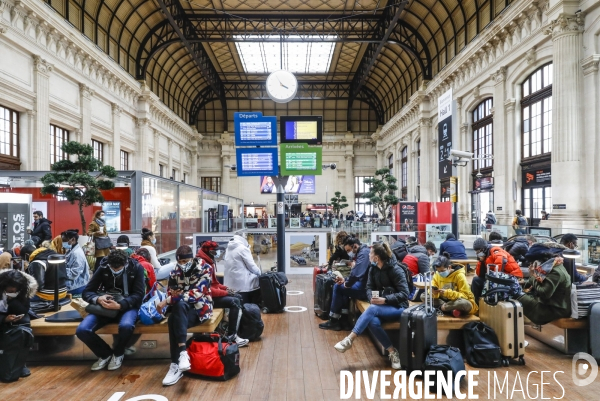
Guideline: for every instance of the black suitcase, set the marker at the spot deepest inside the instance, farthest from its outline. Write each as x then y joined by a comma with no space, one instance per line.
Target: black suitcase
594,329
418,332
14,349
323,294
273,292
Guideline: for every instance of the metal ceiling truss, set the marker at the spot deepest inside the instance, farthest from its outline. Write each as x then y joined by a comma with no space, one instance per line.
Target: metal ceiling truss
307,90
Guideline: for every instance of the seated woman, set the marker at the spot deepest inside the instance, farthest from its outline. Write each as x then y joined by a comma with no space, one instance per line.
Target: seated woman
123,239
241,273
190,303
148,242
453,293
78,271
339,252
390,280
143,256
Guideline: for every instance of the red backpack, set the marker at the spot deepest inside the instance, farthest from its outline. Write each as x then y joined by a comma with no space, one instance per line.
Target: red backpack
412,262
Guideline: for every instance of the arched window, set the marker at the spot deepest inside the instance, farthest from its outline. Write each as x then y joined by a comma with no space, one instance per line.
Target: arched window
482,134
404,180
537,113
9,139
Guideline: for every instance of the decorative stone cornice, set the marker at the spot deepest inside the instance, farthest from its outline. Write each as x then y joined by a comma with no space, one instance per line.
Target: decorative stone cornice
348,157
142,122
476,92
41,65
509,105
565,24
500,75
531,55
3,27
590,64
86,91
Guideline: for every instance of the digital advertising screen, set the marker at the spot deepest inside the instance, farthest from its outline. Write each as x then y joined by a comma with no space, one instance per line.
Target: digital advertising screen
300,159
294,184
301,129
254,129
256,162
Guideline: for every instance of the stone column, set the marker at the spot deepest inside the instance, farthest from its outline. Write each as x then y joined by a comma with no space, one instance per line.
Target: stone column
27,126
502,144
116,128
380,160
194,167
591,91
568,175
41,156
86,114
413,171
511,162
349,187
227,150
464,183
426,160
144,129
170,152
156,152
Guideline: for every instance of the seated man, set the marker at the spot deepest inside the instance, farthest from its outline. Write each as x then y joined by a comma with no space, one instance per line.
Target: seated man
570,241
453,247
353,286
417,258
489,254
117,284
44,273
495,237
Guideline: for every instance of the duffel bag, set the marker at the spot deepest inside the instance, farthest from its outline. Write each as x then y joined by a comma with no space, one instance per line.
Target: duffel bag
149,313
443,358
15,343
214,357
251,324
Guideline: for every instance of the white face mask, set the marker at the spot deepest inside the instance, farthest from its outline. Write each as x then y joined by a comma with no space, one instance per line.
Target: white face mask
12,294
186,266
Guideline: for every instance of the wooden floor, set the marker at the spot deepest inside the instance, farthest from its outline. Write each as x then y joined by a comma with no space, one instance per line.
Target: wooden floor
295,360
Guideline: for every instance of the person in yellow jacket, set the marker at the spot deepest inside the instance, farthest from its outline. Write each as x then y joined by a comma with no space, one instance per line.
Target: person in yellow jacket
451,291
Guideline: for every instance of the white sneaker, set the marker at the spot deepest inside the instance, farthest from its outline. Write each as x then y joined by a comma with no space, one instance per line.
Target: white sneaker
344,345
241,342
130,350
525,344
395,359
100,363
184,362
173,375
115,362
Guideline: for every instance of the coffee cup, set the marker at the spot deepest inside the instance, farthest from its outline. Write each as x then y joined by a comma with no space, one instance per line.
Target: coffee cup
374,294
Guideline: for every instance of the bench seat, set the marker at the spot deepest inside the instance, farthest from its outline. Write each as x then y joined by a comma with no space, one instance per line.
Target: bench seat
570,323
42,328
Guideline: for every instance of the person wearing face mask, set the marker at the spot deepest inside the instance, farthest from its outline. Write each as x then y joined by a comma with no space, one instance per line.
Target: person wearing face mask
223,296
96,229
241,273
451,291
149,242
78,271
117,284
16,289
44,274
190,302
570,241
143,257
352,286
389,281
491,254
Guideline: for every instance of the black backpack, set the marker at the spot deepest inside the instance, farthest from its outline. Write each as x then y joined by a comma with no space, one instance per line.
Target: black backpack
481,346
408,276
521,221
251,324
15,343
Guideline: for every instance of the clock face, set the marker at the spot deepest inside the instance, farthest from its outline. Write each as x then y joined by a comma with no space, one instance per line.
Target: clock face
282,86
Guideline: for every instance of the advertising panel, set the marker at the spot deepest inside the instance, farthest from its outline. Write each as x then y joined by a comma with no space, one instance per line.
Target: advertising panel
112,212
408,216
445,134
294,184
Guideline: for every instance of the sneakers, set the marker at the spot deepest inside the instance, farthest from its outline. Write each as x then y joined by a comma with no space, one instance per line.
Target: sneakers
184,361
173,375
331,324
395,359
79,305
25,372
241,342
100,364
343,345
115,362
525,344
130,350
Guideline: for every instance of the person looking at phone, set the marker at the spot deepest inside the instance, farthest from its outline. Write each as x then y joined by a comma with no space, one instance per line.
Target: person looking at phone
387,291
107,289
451,291
352,286
190,302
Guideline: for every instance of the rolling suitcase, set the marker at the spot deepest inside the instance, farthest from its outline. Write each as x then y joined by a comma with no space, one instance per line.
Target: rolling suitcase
323,294
418,332
506,318
273,292
318,270
594,329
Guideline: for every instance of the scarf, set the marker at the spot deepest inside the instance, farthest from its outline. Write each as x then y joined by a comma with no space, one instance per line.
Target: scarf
100,222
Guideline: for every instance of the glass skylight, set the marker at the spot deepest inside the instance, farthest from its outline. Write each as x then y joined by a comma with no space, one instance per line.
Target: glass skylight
299,57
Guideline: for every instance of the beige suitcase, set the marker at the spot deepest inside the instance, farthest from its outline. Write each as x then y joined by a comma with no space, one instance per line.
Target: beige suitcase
506,318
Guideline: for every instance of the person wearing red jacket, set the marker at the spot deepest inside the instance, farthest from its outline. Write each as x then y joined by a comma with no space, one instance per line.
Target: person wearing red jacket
223,297
143,256
489,254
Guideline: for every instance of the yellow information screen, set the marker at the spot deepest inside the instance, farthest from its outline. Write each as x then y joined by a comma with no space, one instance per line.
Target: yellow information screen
301,130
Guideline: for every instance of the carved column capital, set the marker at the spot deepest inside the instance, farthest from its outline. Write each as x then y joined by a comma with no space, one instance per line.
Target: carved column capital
142,122
86,91
590,64
500,75
41,65
509,105
3,27
116,109
565,24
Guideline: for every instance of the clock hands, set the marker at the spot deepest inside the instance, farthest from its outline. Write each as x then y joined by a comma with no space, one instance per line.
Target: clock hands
280,83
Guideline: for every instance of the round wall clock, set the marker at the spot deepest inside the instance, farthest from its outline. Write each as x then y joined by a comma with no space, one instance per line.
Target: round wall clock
282,86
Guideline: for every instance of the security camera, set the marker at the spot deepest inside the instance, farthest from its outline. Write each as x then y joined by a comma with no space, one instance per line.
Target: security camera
479,175
332,166
459,154
233,168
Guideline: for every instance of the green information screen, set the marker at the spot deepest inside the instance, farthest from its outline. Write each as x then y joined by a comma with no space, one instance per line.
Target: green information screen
300,159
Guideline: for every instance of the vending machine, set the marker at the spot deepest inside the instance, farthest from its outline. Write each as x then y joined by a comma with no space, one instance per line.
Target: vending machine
15,217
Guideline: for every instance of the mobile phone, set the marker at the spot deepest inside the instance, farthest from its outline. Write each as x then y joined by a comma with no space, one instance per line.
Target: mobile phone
19,316
109,298
434,288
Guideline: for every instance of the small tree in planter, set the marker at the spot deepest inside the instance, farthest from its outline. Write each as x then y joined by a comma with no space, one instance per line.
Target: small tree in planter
338,203
72,179
382,192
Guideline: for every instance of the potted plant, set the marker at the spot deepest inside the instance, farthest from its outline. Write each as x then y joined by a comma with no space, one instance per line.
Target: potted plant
382,193
73,181
338,203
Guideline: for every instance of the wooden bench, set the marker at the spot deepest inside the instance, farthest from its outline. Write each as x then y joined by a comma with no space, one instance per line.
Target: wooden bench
42,328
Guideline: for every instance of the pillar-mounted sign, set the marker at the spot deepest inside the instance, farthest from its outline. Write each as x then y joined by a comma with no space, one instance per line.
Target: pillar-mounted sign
445,134
453,189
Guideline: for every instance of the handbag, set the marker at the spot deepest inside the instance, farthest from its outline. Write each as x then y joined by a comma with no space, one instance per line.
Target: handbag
89,249
102,242
214,357
99,310
148,312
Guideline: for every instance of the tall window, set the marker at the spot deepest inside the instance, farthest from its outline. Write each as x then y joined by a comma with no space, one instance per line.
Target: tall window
124,160
185,180
418,170
360,203
211,183
482,134
9,132
404,174
537,113
98,150
58,136
161,170
174,174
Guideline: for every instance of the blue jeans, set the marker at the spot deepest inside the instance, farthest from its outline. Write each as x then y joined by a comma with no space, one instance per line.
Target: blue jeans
341,297
86,332
372,318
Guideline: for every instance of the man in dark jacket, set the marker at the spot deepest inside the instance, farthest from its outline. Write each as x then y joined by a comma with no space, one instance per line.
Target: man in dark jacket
41,228
107,289
570,241
417,258
453,247
352,286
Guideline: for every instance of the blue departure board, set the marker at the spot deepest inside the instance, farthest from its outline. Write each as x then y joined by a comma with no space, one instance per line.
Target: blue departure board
254,129
256,162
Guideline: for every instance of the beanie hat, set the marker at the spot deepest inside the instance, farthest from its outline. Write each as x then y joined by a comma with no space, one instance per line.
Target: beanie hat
479,243
209,246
